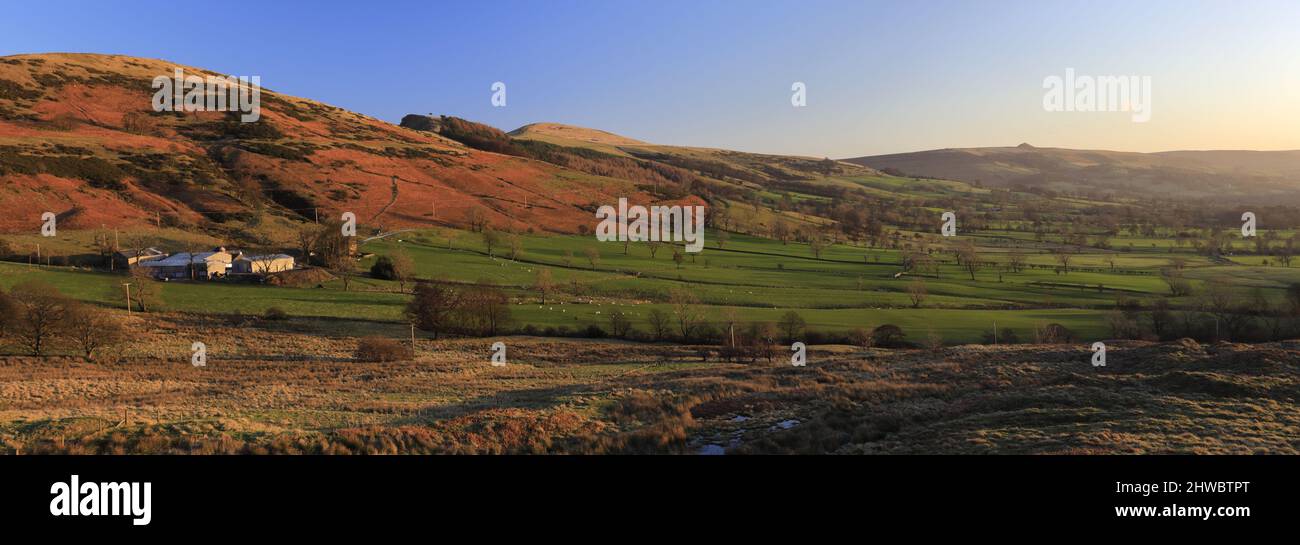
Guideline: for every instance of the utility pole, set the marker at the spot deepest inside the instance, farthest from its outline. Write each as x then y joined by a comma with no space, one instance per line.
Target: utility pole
127,285
995,332
412,339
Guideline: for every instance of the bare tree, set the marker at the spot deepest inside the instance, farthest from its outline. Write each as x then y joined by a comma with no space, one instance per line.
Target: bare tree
91,329
516,245
1220,302
40,314
792,324
1063,257
659,324
781,230
485,309
432,307
619,324
403,268
817,245
307,242
687,312
917,292
543,283
476,218
334,252
593,256
145,292
343,266
1016,260
1178,286
969,258
490,238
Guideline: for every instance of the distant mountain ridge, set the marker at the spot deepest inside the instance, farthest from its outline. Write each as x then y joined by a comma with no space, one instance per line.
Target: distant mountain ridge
1245,175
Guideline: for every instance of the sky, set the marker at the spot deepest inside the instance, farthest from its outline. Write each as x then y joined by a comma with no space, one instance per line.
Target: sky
880,76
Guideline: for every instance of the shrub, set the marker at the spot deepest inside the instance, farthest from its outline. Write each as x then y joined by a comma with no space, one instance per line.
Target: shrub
139,123
383,268
1004,336
595,332
1054,334
275,313
889,336
860,337
379,349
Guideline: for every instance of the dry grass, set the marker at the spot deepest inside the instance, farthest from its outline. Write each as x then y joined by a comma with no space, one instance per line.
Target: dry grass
293,387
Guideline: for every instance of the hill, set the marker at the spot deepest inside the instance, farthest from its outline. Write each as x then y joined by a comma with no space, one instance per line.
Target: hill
1255,176
718,164
79,137
565,133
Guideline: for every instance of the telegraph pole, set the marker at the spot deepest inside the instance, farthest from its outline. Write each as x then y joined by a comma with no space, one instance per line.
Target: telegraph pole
127,285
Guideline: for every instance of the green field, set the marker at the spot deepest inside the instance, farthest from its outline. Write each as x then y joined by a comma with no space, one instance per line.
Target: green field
845,288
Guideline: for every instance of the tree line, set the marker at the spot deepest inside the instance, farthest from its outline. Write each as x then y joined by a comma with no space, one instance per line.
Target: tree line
38,319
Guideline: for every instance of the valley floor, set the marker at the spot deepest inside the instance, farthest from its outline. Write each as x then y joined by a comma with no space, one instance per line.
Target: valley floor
292,387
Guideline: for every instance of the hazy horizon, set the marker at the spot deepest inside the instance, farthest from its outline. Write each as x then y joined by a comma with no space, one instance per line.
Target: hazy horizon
880,78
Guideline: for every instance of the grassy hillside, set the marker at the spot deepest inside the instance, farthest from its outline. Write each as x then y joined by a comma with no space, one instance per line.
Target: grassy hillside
79,138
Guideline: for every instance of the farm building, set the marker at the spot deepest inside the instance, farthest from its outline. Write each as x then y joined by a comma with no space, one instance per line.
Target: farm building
262,264
125,259
185,265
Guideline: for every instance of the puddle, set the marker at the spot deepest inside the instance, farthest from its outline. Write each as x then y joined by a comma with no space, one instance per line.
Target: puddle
712,450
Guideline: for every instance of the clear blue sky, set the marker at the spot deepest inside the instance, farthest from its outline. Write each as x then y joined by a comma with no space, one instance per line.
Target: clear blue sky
882,76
